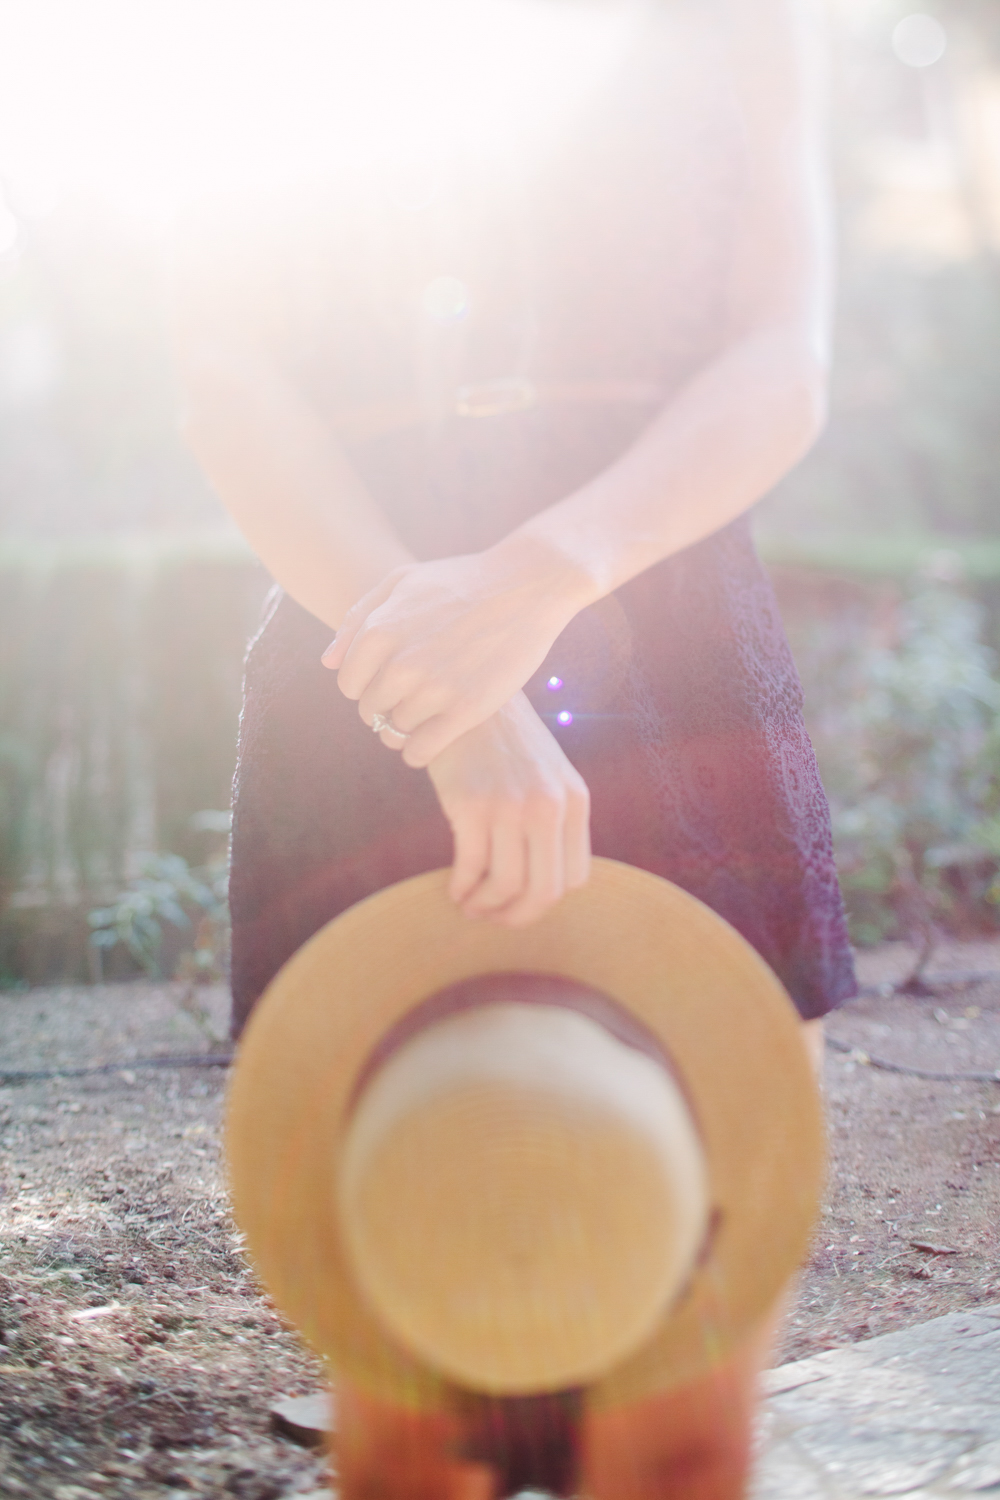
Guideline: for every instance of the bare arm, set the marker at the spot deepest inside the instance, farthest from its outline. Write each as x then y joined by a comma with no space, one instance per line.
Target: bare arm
743,422
287,484
270,457
440,645
518,810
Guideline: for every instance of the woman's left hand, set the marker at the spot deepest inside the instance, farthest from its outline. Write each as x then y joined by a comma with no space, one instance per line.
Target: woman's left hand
439,646
520,815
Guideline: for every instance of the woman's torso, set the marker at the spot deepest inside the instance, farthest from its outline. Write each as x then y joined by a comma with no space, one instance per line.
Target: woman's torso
489,326
596,254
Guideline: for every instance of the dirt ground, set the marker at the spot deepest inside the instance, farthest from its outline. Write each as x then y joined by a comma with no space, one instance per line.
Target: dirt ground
138,1357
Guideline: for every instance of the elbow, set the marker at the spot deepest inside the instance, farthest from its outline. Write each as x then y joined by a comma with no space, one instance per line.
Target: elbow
808,401
790,376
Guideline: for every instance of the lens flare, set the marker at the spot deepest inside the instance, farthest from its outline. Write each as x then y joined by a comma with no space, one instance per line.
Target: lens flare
150,101
919,41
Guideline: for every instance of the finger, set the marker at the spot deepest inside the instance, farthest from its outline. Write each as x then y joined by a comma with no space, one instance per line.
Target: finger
576,839
333,654
472,853
436,718
392,740
355,617
394,736
365,657
388,694
378,698
546,883
507,873
439,730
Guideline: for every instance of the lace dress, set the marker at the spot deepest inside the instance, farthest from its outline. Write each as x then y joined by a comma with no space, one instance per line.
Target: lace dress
483,340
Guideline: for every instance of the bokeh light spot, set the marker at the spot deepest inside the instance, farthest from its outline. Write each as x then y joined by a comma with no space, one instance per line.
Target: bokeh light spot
565,718
919,40
554,684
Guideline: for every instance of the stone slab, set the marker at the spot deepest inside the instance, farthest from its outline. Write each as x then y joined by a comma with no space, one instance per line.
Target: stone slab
914,1414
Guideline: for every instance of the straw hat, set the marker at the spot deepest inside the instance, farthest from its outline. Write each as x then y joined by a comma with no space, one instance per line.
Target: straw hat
585,1152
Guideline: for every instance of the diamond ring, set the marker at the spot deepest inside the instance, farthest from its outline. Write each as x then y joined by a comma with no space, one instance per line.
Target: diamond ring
384,721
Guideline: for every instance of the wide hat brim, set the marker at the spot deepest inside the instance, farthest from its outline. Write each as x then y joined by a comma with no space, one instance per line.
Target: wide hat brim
715,1006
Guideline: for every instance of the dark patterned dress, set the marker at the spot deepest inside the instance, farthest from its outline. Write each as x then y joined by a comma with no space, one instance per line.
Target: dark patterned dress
602,260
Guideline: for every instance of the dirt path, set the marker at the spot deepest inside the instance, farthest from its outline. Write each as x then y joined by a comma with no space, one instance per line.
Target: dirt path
137,1357
913,1161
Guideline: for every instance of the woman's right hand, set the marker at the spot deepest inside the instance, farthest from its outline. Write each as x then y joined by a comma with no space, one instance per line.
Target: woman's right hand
520,814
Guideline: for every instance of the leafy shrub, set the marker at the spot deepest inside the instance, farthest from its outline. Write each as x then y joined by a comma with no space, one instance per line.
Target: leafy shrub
907,731
169,891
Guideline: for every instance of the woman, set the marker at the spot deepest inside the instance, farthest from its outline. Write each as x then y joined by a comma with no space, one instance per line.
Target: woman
501,433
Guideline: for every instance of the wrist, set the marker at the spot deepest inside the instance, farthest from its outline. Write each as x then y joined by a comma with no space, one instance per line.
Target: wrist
560,581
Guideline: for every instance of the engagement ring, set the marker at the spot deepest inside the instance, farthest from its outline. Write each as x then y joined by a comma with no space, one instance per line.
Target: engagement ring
384,721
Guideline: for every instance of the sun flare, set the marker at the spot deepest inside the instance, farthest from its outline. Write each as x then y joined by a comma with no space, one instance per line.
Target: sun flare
147,102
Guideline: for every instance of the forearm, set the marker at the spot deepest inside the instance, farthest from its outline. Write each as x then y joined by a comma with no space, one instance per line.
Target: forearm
741,423
442,646
719,446
291,490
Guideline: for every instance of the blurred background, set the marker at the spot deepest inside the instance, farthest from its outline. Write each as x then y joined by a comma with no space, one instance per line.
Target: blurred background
126,596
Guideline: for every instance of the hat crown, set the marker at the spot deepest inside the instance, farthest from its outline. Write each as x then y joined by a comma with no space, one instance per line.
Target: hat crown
521,1194
695,994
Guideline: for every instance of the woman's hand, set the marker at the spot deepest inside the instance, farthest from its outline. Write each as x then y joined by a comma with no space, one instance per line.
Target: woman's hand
520,814
439,647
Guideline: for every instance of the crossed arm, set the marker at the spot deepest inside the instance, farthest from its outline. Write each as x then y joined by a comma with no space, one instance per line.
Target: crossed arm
445,647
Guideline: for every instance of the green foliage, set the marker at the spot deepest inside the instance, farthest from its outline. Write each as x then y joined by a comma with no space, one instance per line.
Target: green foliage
169,891
907,731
